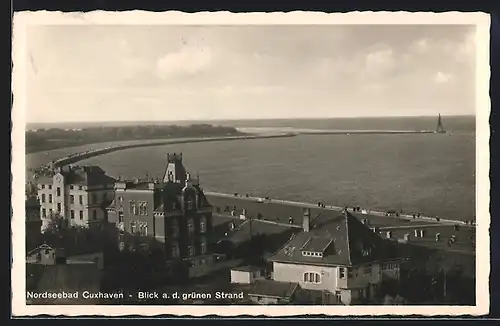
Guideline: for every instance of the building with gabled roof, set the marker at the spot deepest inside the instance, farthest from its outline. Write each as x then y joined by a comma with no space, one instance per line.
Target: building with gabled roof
173,212
79,194
338,257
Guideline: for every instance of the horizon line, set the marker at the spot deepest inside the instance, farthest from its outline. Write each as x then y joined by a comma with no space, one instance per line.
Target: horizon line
256,119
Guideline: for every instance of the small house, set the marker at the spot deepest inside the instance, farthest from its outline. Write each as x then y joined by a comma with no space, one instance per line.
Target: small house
267,292
247,274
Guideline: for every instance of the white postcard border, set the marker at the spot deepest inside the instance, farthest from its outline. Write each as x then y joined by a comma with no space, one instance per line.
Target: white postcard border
22,20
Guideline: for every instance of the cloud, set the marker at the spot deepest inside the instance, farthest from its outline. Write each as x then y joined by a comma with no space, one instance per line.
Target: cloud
189,60
379,62
442,78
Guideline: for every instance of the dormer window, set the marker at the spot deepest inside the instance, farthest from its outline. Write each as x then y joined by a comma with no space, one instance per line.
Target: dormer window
312,254
190,203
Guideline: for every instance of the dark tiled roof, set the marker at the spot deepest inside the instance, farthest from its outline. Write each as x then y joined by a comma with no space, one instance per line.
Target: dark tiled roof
171,193
269,288
341,239
255,227
87,175
247,268
142,185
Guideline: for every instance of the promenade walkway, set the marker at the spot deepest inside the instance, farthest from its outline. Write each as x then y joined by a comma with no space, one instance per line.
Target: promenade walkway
407,217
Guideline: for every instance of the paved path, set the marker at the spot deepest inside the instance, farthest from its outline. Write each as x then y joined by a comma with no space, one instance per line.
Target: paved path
402,227
337,208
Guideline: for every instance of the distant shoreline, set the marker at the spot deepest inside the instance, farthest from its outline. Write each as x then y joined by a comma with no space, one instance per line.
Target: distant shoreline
31,125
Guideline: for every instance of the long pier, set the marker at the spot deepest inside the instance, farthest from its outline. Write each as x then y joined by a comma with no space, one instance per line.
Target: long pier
301,131
271,133
76,157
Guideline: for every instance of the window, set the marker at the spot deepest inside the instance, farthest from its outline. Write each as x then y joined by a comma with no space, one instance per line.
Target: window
50,187
51,212
203,247
190,251
81,215
143,208
58,191
190,227
80,187
338,296
120,216
71,187
312,254
50,198
342,273
203,225
368,269
120,199
94,214
80,200
190,203
312,278
59,207
43,186
143,228
132,208
132,227
387,266
72,214
44,212
175,250
43,198
72,199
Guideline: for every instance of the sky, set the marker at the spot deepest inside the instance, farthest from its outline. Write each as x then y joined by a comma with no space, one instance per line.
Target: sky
146,73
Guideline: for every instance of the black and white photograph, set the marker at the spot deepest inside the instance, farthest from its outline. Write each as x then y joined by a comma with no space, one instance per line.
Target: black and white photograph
170,163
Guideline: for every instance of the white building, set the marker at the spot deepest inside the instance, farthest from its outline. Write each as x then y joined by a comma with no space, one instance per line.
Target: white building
247,274
78,194
337,259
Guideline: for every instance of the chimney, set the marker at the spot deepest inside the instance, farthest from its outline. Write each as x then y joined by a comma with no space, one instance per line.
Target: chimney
306,220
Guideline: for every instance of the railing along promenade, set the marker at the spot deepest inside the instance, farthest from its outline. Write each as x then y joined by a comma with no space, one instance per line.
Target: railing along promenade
401,216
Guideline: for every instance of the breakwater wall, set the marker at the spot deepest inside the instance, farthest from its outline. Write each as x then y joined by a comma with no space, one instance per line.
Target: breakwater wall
76,157
366,132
